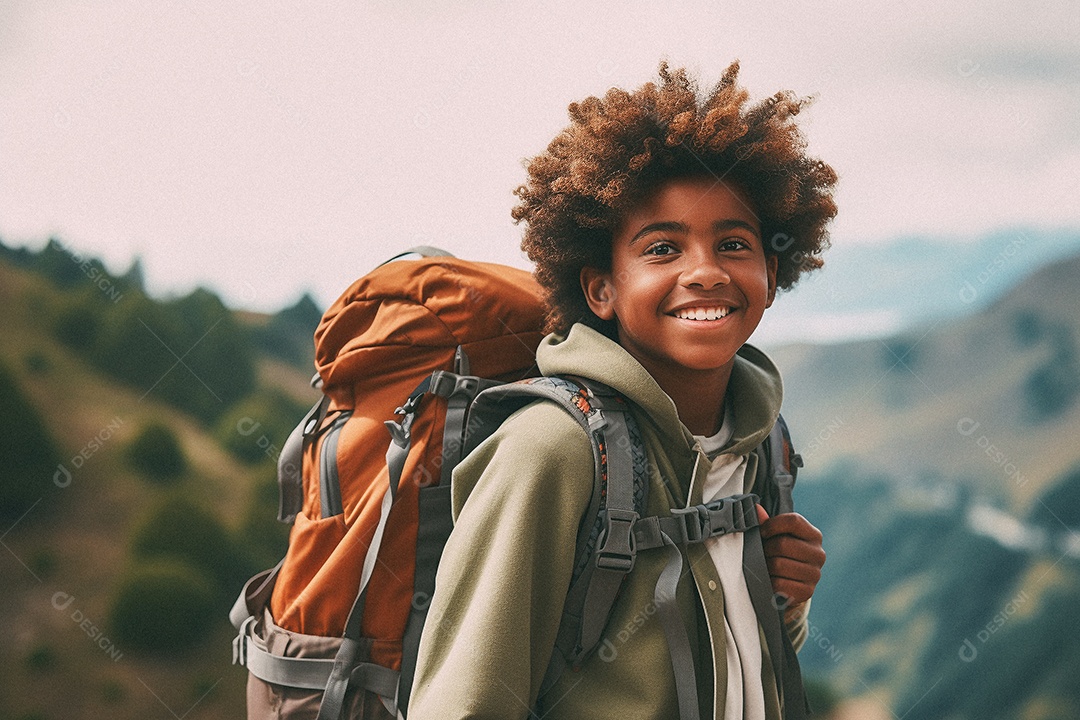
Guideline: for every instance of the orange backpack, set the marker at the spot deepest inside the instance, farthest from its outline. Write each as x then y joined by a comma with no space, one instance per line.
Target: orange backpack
438,351
391,329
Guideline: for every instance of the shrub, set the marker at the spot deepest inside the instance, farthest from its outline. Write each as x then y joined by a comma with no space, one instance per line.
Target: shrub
156,453
164,606
256,429
179,529
28,455
76,325
41,658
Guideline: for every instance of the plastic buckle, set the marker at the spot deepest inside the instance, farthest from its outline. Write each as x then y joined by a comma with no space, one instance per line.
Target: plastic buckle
448,384
442,383
240,655
745,517
618,550
695,520
410,405
722,519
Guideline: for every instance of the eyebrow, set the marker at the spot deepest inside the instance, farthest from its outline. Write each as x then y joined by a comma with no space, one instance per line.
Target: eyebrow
673,226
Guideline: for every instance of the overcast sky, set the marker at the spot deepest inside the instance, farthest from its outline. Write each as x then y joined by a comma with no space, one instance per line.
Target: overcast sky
262,149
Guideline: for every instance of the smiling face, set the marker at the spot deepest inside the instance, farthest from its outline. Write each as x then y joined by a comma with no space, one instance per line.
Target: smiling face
689,280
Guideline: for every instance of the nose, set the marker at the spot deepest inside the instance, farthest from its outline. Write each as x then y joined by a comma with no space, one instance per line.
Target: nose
705,270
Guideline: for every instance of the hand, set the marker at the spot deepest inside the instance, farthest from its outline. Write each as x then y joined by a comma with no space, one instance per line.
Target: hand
793,554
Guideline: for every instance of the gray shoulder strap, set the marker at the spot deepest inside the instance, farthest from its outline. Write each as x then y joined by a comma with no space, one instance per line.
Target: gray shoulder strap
291,462
778,460
494,405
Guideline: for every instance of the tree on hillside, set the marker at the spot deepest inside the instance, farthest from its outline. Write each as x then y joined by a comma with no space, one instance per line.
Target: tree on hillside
28,455
288,334
164,606
180,529
156,453
190,352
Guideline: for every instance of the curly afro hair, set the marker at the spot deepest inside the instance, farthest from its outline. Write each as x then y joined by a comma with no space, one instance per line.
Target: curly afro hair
620,148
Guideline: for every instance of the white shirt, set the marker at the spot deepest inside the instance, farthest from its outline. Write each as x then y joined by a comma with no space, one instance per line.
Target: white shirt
745,694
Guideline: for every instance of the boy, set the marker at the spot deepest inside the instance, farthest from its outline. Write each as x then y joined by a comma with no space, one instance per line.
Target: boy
661,225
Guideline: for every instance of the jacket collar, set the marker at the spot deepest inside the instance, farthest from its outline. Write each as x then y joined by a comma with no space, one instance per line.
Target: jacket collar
755,388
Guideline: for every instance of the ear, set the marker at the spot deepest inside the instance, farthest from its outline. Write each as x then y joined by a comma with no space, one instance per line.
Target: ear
599,292
771,264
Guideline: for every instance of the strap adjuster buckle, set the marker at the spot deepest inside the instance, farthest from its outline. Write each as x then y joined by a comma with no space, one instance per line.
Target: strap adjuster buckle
718,517
618,549
695,522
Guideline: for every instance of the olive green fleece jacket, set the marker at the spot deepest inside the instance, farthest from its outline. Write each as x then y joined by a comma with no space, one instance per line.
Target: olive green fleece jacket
518,500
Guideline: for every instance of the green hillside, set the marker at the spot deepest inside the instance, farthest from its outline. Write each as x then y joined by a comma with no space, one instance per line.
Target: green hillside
131,505
944,472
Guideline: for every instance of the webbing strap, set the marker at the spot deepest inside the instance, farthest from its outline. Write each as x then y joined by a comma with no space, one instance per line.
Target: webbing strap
781,652
698,522
785,481
456,406
333,700
254,596
291,462
682,658
309,673
329,482
334,696
616,553
434,526
459,390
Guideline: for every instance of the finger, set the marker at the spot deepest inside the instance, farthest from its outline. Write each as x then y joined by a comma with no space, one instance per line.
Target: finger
795,592
788,569
794,548
762,516
791,524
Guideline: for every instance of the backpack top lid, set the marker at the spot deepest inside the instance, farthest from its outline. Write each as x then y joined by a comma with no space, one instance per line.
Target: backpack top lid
415,313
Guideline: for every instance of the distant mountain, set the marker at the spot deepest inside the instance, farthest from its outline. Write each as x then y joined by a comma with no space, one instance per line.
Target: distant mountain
943,467
879,289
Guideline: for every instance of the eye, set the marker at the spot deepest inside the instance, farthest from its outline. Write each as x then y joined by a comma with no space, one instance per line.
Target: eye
731,244
660,249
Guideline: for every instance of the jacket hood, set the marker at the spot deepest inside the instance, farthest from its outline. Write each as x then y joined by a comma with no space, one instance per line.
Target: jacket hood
755,389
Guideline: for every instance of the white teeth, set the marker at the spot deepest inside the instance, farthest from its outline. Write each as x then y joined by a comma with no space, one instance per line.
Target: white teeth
714,313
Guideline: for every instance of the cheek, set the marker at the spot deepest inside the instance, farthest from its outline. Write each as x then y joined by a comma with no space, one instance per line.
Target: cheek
756,285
